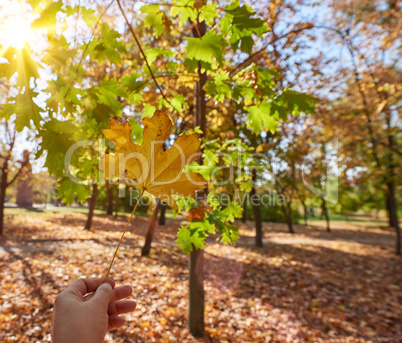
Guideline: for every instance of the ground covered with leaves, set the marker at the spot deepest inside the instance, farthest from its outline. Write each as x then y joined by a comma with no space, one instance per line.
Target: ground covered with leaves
313,286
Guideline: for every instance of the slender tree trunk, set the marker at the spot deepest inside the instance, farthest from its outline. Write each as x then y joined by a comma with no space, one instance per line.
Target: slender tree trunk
257,213
290,221
196,265
244,215
393,215
152,223
116,201
3,188
162,219
196,317
91,207
287,212
109,198
387,208
325,213
305,212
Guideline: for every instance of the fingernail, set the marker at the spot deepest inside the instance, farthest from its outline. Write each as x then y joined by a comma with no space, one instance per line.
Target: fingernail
106,285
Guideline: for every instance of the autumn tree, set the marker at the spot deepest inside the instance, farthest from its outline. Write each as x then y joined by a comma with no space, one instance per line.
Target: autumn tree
10,168
18,110
369,107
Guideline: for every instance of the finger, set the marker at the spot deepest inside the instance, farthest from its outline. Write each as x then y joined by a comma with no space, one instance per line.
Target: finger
115,322
84,286
103,296
119,293
121,307
122,292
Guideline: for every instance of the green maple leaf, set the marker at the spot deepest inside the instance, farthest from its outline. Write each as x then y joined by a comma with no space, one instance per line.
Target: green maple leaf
260,118
48,18
185,10
25,108
193,235
153,53
232,211
154,18
297,102
70,191
242,18
208,13
206,48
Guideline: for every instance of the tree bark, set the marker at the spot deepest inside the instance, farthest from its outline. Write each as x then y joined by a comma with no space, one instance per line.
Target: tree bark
196,265
196,317
257,213
152,223
3,188
393,215
287,212
305,212
116,201
244,215
4,179
91,207
162,218
325,213
109,198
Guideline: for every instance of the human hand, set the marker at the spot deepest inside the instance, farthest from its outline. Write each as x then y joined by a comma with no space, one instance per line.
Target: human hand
80,317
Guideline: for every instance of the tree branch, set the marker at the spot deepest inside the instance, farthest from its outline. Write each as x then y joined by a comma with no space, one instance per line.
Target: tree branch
143,54
86,48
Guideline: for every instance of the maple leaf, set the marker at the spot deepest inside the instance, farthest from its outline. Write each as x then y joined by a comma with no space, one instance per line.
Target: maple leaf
148,166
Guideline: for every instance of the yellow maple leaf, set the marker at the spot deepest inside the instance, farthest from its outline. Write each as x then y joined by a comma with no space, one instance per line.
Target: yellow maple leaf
147,166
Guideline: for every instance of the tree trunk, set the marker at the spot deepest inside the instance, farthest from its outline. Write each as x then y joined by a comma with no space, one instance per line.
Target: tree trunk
305,210
116,201
287,212
244,215
109,198
196,265
390,222
91,207
3,188
257,213
162,219
393,215
151,230
325,213
196,318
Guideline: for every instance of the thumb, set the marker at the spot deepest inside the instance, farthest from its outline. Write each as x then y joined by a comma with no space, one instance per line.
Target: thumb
103,295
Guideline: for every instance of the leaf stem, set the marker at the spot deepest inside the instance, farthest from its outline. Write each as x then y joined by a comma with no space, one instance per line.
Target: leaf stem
122,236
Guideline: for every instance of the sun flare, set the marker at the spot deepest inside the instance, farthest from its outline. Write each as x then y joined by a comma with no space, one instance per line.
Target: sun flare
15,30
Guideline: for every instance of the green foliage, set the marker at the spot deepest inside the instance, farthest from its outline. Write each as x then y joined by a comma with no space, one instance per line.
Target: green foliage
241,26
20,64
154,18
185,10
193,235
259,118
206,48
47,10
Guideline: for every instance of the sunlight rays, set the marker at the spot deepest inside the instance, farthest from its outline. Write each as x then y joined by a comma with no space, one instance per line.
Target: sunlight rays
15,25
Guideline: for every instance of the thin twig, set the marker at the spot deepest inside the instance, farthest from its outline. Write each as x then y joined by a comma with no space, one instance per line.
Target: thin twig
86,48
121,238
143,54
